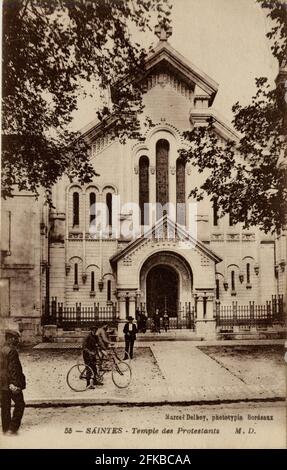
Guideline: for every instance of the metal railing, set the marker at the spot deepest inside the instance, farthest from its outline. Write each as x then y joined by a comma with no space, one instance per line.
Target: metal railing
181,318
79,316
251,315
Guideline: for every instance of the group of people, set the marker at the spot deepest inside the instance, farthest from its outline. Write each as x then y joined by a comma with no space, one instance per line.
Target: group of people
95,345
13,382
156,323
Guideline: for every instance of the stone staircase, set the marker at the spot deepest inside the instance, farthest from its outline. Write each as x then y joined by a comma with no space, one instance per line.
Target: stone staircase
77,336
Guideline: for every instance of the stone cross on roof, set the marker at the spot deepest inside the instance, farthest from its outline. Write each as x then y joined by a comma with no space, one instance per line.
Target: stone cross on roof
163,31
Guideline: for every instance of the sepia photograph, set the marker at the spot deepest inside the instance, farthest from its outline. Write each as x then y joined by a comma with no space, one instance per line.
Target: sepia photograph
143,273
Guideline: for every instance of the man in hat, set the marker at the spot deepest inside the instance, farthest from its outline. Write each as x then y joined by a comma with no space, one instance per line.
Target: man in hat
12,381
91,351
130,331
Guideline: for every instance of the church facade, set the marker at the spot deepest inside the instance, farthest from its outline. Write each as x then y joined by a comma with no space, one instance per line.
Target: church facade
179,257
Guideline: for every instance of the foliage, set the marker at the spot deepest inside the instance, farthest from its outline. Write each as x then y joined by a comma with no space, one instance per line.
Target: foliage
277,12
247,177
50,48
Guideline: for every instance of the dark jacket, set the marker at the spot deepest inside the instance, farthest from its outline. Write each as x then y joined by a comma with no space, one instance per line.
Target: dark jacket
11,369
91,343
130,334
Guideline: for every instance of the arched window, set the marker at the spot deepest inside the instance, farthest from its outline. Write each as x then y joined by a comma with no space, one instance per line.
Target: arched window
76,208
76,274
180,191
248,273
109,208
233,281
162,153
109,290
215,212
92,281
92,207
144,189
217,289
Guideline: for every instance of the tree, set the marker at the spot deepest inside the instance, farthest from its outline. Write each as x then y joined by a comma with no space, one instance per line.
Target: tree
246,177
50,48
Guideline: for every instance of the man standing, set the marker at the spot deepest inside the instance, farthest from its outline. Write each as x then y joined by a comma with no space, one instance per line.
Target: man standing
12,382
130,331
157,321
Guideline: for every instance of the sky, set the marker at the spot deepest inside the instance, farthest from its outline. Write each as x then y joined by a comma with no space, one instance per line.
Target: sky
226,39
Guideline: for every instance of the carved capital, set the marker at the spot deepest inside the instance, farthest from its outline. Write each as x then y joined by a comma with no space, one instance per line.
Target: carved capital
172,170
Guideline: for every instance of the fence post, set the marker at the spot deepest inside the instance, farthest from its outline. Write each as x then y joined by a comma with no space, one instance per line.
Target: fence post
217,312
274,306
60,313
268,312
280,308
54,311
188,323
251,303
78,312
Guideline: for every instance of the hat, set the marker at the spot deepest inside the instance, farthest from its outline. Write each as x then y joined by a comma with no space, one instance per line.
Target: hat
130,318
12,333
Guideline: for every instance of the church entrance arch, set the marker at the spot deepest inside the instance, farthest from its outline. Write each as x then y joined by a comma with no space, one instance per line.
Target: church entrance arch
162,285
166,283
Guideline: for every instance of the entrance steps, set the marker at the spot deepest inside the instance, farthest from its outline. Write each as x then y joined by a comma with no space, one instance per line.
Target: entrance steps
171,335
77,336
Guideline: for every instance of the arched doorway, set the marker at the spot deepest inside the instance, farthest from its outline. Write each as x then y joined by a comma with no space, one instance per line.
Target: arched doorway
162,290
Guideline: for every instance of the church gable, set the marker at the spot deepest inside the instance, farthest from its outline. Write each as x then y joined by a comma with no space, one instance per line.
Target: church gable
166,65
169,235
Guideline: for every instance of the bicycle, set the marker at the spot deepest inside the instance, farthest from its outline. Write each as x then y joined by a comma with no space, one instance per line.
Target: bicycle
78,374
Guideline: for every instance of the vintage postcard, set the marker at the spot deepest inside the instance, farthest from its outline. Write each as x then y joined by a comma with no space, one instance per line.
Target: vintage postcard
143,224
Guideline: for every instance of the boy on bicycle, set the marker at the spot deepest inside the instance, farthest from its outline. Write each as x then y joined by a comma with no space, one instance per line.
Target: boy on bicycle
103,339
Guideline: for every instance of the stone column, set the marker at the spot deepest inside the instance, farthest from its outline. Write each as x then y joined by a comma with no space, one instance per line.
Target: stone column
205,321
133,298
122,306
121,296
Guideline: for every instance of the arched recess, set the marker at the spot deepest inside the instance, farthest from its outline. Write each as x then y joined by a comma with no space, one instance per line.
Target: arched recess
75,204
92,198
180,191
93,272
162,166
248,270
169,283
109,286
144,189
75,274
108,192
233,278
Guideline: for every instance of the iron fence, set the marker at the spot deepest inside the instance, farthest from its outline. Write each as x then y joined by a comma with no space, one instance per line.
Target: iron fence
79,316
250,315
182,318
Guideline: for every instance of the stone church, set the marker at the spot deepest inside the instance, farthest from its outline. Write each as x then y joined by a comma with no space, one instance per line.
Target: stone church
184,262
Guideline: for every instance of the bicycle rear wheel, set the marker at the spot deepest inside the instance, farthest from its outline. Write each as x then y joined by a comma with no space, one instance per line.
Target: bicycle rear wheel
121,374
78,376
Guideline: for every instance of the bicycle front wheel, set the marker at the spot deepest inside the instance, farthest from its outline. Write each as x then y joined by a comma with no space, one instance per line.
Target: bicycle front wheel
79,377
122,355
121,374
